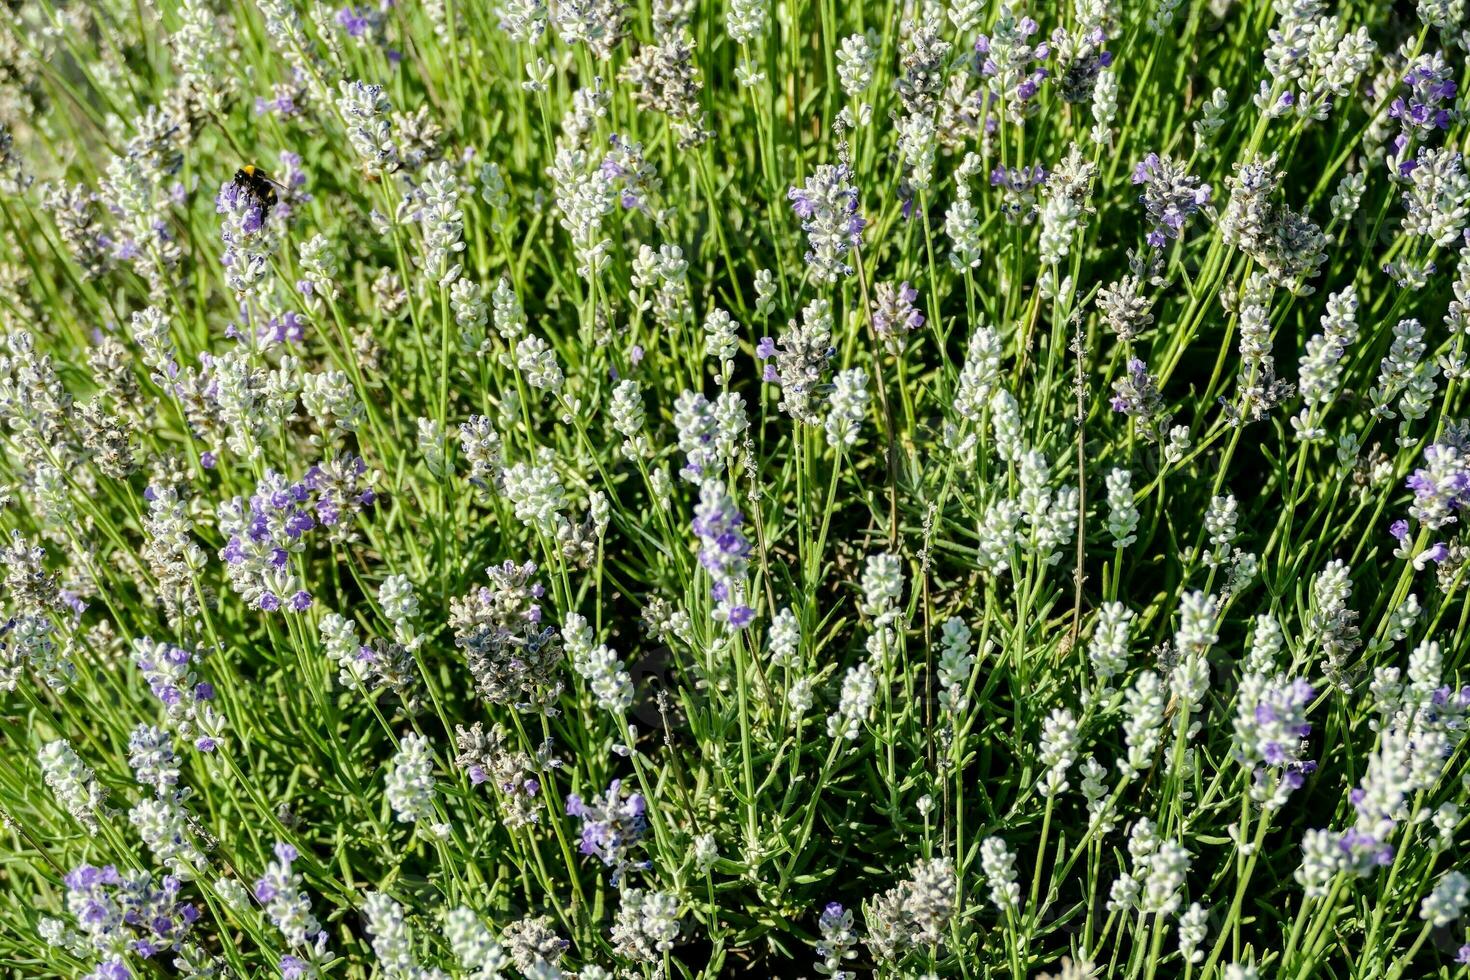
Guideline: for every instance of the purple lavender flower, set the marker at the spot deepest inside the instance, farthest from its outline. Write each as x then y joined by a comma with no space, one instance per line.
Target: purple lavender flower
1018,178
356,22
261,535
113,969
1018,187
894,314
249,234
1010,63
285,328
1170,195
284,102
1270,726
151,755
128,912
612,825
169,671
490,757
1429,103
828,208
723,552
293,186
265,530
1441,486
1080,59
1136,394
626,168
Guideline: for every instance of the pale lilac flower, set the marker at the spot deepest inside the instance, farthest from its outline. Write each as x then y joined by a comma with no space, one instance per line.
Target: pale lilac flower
723,553
1170,196
613,825
827,205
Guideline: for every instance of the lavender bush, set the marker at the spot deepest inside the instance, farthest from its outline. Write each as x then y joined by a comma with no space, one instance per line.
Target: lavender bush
730,489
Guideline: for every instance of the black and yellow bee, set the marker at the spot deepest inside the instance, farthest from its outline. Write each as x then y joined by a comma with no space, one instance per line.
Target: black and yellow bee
259,186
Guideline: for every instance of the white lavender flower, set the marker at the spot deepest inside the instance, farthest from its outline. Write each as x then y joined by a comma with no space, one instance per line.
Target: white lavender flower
1005,420
956,663
646,925
1396,371
1104,107
1058,750
1095,791
366,109
1197,631
929,899
1447,901
783,639
1437,200
435,206
332,402
998,864
150,331
1143,724
800,697
473,946
537,362
745,20
1065,205
1220,521
598,665
72,782
855,60
409,785
584,196
392,944
341,644
828,208
1212,117
996,538
882,588
1051,515
916,147
721,337
1322,363
847,405
1322,858
859,689
980,374
627,414
1332,623
164,828
401,608
536,493
962,227
1122,512
1167,867
1347,196
1178,445
1193,929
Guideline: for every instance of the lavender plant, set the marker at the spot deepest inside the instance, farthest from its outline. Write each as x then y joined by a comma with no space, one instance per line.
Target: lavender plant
691,489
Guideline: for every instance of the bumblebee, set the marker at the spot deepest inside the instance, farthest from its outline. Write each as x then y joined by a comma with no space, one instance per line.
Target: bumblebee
259,186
